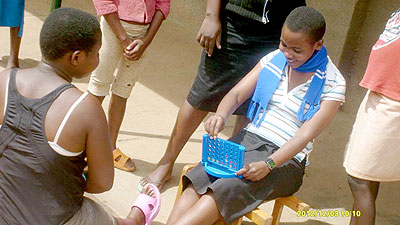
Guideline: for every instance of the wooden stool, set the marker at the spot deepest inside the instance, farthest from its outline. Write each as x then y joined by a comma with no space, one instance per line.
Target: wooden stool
257,216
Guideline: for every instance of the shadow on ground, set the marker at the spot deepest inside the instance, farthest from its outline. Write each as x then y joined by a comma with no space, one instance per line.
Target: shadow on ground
23,63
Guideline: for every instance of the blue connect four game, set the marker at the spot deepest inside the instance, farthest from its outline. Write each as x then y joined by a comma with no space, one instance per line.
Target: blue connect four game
221,158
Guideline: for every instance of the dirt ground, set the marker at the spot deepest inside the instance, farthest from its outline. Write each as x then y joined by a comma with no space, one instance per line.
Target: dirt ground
165,78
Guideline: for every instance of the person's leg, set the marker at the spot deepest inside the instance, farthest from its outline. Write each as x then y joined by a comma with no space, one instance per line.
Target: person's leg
364,195
188,198
15,43
204,212
116,112
240,123
186,123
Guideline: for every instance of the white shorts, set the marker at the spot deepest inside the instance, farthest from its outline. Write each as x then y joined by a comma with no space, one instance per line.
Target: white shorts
111,58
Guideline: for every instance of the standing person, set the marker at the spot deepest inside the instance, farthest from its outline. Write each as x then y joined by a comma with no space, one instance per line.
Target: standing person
295,92
47,132
128,29
373,150
234,35
12,15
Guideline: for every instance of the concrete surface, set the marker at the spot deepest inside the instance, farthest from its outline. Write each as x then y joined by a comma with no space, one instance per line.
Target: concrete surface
167,74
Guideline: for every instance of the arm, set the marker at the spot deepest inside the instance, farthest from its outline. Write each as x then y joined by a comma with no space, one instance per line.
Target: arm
135,50
119,31
210,31
98,149
235,97
308,131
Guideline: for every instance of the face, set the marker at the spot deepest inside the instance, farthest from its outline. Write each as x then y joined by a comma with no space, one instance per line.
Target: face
297,47
90,60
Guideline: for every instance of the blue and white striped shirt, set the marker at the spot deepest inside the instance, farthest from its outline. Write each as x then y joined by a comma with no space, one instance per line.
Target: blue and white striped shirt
281,123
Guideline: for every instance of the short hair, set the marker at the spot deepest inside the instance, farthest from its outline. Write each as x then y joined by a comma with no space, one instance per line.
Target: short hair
307,20
68,29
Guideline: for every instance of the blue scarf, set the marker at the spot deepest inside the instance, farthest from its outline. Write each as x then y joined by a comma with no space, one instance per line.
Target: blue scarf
269,79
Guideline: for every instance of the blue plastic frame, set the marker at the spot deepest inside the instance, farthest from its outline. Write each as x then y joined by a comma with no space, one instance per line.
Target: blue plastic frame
214,150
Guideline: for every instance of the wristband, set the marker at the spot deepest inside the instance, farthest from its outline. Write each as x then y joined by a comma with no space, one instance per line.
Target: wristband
270,164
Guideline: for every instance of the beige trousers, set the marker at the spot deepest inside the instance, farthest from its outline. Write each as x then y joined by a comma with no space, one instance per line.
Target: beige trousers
112,59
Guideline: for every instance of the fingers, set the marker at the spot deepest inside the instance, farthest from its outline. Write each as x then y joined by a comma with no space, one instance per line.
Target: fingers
218,41
255,171
132,57
132,45
242,171
210,46
135,50
207,43
214,125
201,40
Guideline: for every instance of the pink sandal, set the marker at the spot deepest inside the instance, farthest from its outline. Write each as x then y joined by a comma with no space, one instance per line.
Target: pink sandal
148,205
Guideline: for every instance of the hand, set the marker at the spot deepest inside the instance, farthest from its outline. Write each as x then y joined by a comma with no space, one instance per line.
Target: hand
125,43
135,49
254,171
214,125
210,34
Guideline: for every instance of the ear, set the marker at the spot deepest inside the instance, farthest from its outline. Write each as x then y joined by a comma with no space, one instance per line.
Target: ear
76,57
318,45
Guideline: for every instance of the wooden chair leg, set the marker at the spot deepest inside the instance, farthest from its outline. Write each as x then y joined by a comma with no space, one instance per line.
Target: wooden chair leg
292,202
180,186
277,212
259,217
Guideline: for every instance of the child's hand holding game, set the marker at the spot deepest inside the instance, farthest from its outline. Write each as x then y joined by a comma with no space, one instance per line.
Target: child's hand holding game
254,171
214,125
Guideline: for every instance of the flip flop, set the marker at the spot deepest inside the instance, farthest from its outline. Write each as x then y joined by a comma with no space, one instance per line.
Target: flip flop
120,163
150,206
149,181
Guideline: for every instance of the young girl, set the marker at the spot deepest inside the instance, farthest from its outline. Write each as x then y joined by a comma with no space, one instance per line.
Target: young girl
128,27
373,150
12,15
48,127
297,91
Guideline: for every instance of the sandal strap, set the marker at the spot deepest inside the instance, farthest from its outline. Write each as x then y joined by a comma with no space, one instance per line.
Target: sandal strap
122,160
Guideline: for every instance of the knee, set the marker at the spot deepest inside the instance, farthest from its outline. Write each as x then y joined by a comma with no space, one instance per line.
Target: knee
359,188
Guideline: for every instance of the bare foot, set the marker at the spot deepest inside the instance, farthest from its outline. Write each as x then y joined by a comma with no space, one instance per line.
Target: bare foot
158,176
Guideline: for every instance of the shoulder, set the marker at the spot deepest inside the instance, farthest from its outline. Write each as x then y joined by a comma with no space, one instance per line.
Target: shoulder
333,75
4,76
89,109
91,105
269,56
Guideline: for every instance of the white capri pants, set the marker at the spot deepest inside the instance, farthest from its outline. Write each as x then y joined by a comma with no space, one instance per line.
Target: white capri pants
111,58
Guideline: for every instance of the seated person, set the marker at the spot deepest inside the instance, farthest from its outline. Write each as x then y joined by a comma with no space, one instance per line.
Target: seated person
48,127
296,92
